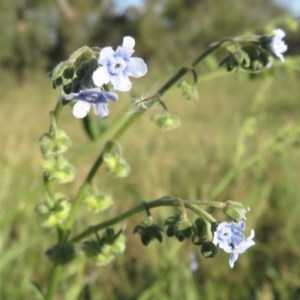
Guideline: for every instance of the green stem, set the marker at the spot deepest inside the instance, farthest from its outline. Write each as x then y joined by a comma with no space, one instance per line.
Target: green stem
201,212
53,282
140,208
68,224
210,203
58,108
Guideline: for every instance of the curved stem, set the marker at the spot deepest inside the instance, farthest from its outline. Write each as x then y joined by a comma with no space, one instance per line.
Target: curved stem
140,208
128,121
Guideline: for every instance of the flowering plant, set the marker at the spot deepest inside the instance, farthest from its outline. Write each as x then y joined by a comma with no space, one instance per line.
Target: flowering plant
91,77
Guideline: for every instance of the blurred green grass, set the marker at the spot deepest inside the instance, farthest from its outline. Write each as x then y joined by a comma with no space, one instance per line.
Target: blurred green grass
188,163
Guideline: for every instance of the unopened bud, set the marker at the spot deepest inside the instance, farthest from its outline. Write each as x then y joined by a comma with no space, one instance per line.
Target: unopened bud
61,254
235,210
208,249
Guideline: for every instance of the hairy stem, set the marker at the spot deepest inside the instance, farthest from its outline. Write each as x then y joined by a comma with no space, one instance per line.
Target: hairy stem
140,208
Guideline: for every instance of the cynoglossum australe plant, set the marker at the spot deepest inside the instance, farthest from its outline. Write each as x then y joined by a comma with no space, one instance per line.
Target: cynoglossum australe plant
91,79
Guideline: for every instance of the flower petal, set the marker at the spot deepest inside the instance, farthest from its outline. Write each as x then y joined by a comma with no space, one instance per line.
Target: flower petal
128,42
136,67
233,258
105,54
279,33
81,109
111,96
71,96
121,83
101,109
101,76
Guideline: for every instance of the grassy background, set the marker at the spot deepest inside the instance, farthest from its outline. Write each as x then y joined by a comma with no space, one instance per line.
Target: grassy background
188,162
196,161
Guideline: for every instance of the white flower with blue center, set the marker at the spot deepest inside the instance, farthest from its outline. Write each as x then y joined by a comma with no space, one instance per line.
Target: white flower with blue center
229,237
91,97
116,66
277,45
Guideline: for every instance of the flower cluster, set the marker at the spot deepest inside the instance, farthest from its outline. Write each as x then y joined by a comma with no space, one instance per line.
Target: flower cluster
113,69
257,53
229,237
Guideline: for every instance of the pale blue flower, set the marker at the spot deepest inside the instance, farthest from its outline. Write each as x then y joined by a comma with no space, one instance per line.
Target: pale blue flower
277,45
229,237
116,66
91,97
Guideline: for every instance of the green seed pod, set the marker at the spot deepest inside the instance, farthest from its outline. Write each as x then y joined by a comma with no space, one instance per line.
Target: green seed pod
61,254
208,249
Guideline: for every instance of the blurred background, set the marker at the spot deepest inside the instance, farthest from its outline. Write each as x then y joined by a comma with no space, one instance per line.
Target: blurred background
233,120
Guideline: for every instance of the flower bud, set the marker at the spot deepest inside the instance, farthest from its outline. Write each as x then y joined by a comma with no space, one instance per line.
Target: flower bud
148,232
57,82
200,231
68,72
67,87
61,254
235,210
208,249
183,229
171,224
